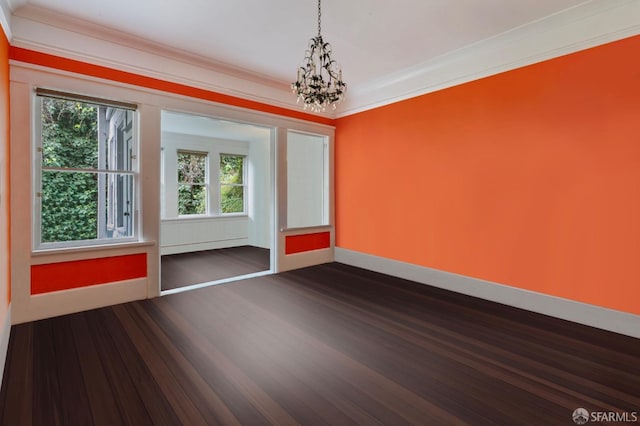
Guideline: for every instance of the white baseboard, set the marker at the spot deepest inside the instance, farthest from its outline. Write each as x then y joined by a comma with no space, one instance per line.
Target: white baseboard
582,313
4,341
211,245
64,302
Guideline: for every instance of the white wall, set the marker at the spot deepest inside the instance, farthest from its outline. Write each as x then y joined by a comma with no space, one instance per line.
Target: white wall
187,235
260,192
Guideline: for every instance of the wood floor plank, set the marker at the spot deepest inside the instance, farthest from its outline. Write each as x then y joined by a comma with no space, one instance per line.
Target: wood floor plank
17,387
46,381
179,270
256,397
386,393
101,400
73,402
209,404
528,351
186,412
154,400
215,378
451,347
276,365
130,406
329,344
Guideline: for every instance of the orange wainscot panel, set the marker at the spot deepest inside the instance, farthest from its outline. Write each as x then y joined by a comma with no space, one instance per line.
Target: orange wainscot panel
84,273
307,242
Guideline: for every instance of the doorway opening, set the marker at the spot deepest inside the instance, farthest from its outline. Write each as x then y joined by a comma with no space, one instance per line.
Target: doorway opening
217,198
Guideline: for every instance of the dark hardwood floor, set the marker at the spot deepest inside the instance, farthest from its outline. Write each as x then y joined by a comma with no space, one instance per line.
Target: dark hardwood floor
329,344
180,270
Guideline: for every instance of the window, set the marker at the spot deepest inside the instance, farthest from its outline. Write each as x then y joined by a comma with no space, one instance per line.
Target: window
232,183
192,183
86,179
203,177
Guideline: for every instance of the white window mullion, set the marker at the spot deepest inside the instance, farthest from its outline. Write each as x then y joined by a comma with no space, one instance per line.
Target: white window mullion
215,183
37,175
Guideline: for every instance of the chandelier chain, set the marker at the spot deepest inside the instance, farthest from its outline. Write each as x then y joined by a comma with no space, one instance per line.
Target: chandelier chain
319,16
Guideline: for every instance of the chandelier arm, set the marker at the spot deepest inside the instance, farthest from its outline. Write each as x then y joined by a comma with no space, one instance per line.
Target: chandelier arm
319,81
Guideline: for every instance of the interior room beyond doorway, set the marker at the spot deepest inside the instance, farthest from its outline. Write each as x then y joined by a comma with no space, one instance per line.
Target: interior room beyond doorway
216,200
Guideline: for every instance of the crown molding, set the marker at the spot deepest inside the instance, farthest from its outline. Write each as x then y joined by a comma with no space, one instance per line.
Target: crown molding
49,32
89,29
587,25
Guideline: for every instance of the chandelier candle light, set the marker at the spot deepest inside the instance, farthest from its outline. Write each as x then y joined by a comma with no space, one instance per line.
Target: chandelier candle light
319,81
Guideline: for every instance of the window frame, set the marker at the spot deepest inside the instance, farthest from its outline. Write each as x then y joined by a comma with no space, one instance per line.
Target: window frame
206,183
171,144
39,169
243,185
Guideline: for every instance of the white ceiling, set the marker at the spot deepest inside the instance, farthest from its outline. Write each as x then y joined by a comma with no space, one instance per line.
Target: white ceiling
213,127
370,38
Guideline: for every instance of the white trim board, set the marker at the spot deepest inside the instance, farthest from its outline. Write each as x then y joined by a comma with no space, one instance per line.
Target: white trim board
578,312
4,341
202,246
217,282
48,305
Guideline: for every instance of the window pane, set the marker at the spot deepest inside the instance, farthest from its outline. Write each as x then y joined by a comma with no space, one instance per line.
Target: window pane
191,167
231,168
192,199
74,208
69,206
307,180
85,136
69,134
231,199
116,209
117,152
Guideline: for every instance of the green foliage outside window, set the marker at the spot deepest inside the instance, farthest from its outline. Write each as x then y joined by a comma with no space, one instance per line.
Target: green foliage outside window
192,190
69,200
231,183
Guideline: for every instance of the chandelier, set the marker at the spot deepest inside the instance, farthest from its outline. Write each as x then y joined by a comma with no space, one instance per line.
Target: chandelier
319,81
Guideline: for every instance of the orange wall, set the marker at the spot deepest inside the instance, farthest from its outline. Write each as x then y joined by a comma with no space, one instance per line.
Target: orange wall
5,287
529,178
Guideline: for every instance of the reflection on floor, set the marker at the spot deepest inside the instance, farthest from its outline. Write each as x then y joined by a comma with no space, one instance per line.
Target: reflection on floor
179,270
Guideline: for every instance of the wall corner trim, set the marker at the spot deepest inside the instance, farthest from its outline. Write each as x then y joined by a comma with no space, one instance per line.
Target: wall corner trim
578,312
4,341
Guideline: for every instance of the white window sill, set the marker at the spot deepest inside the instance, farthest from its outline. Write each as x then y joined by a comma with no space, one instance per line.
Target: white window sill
90,248
203,218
